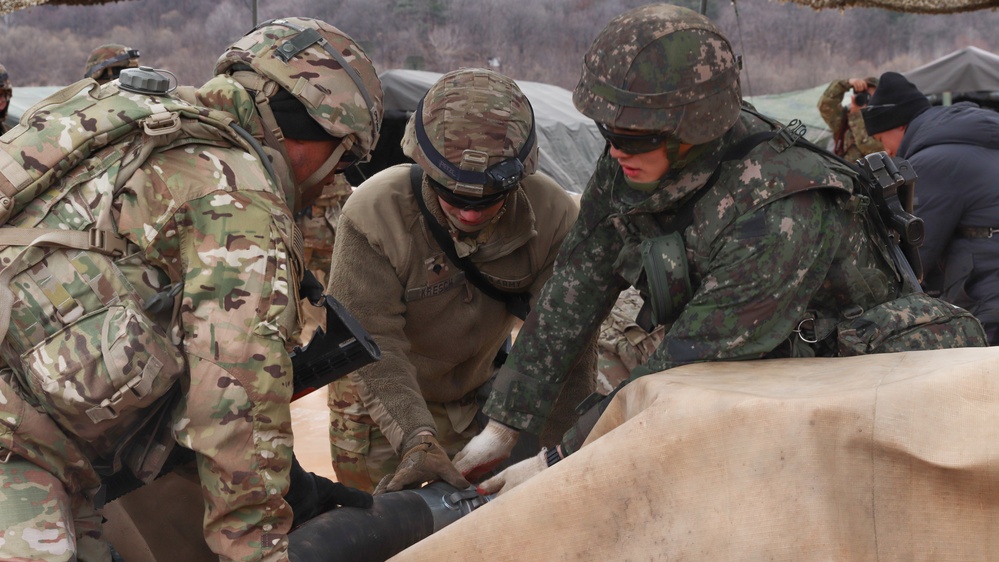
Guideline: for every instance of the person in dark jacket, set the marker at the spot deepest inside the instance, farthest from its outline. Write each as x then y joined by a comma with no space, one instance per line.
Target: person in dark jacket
954,151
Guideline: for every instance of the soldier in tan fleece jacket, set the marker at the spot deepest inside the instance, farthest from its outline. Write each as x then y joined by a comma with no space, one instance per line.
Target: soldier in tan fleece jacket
398,421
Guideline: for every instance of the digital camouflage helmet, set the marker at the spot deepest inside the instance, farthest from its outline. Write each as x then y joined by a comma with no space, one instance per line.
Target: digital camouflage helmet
324,69
661,68
473,133
107,61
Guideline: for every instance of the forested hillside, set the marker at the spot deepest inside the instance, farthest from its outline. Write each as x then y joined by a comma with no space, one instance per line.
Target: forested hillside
785,46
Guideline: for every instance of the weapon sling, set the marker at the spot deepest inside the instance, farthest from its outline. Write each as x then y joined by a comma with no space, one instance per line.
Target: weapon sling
518,304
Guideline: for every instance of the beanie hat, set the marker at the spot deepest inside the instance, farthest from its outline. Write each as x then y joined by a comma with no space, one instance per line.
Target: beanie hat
895,102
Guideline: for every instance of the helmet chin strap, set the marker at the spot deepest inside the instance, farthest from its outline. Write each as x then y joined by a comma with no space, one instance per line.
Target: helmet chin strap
328,166
673,154
262,88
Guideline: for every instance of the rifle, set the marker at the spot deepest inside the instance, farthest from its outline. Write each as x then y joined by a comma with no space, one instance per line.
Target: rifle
342,348
891,189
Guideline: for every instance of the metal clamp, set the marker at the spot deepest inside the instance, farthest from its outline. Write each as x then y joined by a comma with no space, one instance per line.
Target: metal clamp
800,330
787,135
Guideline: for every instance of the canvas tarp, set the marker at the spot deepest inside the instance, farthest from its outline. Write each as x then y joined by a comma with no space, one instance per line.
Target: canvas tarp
801,105
966,70
881,457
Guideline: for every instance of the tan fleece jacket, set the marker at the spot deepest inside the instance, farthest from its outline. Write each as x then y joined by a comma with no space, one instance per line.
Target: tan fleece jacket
437,332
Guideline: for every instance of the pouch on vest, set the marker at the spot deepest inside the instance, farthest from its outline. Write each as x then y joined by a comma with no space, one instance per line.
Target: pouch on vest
913,321
665,262
101,361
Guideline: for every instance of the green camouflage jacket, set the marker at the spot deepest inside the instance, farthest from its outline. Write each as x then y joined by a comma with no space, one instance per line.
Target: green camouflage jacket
774,237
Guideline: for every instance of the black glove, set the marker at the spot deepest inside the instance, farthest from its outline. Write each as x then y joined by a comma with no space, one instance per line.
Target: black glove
310,495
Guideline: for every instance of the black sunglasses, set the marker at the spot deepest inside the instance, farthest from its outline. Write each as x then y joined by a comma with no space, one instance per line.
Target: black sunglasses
632,144
466,203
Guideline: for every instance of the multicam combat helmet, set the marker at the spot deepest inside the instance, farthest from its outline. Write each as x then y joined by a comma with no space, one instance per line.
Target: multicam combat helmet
322,67
106,62
661,68
473,133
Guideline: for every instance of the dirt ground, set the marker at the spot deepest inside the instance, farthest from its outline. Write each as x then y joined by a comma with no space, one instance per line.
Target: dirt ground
310,421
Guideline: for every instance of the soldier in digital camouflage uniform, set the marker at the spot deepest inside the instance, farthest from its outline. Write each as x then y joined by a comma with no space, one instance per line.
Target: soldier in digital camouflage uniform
438,332
106,62
776,255
850,138
5,93
208,220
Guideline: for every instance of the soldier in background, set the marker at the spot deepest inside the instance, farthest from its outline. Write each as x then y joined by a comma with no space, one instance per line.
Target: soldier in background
5,94
850,138
318,225
106,62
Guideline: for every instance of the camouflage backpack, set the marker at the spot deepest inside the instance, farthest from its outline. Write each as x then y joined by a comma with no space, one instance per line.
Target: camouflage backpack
79,333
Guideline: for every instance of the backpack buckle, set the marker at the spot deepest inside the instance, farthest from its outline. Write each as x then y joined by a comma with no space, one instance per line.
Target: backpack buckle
161,124
107,243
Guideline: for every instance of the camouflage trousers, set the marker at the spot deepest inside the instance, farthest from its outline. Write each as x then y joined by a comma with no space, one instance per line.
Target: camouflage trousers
623,344
39,520
362,455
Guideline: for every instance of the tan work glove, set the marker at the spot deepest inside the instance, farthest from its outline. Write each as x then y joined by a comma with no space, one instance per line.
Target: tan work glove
422,462
486,450
515,475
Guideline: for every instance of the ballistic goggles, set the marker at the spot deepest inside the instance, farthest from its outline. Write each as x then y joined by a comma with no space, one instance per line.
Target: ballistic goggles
466,203
501,177
633,144
127,55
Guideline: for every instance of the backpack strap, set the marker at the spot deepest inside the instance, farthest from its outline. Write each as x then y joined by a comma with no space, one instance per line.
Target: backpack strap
518,304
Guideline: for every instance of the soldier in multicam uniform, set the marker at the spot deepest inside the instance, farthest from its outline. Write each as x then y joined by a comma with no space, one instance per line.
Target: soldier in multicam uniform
623,344
850,138
473,140
208,220
743,251
318,225
5,94
106,62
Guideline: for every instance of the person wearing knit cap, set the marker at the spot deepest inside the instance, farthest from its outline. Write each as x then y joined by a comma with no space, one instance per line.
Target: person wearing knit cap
954,151
894,104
